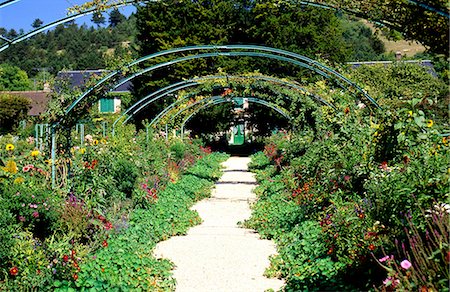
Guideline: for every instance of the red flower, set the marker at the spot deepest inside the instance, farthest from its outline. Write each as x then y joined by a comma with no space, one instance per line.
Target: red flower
101,218
13,271
65,258
108,225
372,247
383,165
346,110
104,243
361,215
73,252
75,277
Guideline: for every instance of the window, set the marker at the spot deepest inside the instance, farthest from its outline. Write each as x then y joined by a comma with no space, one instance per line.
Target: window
107,105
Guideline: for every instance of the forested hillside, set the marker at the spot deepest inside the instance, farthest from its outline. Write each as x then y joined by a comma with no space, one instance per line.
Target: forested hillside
73,47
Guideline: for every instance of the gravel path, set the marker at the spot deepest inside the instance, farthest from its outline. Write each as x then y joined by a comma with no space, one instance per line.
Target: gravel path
218,255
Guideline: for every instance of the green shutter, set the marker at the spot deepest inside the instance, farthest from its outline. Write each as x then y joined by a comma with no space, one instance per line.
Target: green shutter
107,105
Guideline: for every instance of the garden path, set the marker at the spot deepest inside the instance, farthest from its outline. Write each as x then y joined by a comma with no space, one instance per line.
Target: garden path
218,255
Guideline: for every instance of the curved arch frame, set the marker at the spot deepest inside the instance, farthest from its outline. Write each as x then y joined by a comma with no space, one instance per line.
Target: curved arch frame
139,105
215,100
286,56
183,124
224,99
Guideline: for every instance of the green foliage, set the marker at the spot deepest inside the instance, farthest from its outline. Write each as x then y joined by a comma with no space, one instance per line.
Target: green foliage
13,109
130,248
303,257
12,78
72,47
124,174
97,228
403,85
7,226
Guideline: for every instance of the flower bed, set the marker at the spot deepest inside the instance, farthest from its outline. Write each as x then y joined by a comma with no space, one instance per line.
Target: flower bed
98,228
357,206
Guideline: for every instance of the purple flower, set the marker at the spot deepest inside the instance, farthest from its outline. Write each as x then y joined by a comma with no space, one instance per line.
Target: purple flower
405,264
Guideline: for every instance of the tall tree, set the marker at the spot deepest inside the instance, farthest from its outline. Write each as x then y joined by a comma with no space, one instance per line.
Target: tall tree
37,23
115,17
13,79
98,18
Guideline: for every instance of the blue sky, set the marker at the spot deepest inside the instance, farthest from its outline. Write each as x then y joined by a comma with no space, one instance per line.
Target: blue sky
21,14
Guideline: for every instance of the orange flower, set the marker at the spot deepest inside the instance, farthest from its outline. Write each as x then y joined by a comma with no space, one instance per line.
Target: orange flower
104,243
372,247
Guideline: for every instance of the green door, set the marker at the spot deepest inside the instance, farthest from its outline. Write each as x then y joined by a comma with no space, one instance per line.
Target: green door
238,131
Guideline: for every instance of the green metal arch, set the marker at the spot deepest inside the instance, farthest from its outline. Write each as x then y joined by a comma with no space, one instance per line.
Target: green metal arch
290,58
166,110
215,99
144,102
216,102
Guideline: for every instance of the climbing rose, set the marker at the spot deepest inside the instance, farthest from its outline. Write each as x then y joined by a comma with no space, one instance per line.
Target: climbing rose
405,264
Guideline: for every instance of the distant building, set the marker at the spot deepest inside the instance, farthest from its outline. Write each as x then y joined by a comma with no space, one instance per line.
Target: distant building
39,100
78,79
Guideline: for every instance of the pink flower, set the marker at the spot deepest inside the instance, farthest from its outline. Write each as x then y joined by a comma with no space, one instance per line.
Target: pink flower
21,218
383,259
405,264
391,281
27,168
347,178
35,214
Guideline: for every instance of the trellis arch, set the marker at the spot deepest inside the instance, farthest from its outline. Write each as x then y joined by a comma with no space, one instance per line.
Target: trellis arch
226,50
212,101
154,96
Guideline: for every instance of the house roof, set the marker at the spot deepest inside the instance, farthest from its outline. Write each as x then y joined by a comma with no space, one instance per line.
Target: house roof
78,78
39,100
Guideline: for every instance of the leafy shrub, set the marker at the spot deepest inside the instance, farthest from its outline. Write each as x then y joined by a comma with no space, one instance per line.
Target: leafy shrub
13,109
124,174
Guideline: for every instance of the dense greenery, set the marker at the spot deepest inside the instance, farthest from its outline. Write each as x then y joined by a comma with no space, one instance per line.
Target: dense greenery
353,201
13,109
109,210
73,47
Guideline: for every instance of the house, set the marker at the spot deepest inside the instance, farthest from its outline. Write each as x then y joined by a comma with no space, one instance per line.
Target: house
39,100
78,79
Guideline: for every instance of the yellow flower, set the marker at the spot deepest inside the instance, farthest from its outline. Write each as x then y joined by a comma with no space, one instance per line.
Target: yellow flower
103,141
430,123
19,180
95,142
10,166
410,113
35,153
82,150
445,141
9,147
